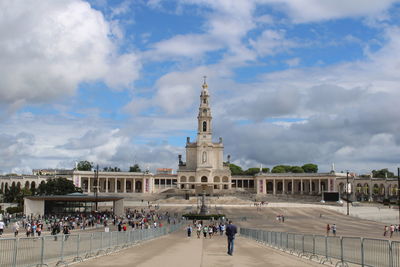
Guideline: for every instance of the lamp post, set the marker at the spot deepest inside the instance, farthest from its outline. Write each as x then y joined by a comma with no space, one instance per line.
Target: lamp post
96,187
398,192
347,191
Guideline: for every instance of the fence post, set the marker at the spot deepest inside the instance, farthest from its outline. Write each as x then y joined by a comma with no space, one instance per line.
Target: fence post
390,254
102,245
362,252
287,241
341,249
313,244
42,252
78,242
326,247
91,241
16,241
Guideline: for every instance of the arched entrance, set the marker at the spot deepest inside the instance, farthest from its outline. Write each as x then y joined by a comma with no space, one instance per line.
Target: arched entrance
204,179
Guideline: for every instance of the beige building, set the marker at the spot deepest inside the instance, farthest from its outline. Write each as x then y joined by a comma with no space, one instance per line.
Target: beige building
204,167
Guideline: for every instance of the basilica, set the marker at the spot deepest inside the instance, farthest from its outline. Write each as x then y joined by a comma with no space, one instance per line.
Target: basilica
203,169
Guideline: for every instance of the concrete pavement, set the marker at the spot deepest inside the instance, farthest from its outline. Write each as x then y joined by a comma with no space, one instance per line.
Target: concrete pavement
177,250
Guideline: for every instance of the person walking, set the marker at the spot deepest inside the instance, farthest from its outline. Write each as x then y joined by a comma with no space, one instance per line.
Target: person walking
205,231
210,231
328,229
1,227
189,230
391,230
199,230
231,231
334,229
15,229
385,230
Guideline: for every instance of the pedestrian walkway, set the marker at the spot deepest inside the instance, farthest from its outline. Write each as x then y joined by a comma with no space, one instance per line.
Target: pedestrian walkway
177,250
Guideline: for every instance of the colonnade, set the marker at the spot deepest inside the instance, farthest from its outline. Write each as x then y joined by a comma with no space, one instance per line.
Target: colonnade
114,185
276,186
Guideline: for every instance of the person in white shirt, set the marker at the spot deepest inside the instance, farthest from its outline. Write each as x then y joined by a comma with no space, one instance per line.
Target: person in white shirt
1,227
15,229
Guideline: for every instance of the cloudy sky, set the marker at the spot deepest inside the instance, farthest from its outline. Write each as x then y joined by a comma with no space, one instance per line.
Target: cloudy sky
118,82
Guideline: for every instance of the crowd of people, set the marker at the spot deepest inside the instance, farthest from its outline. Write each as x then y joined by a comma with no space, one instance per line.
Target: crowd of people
63,224
210,230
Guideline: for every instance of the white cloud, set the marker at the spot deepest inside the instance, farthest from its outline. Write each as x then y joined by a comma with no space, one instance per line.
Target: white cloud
293,62
314,10
190,45
53,47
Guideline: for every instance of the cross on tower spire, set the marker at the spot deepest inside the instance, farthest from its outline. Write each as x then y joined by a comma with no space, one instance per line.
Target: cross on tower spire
205,82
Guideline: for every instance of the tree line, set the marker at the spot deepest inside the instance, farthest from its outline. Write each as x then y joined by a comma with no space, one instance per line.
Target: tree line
306,168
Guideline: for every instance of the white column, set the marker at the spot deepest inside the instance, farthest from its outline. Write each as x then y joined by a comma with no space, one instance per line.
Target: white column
283,186
124,189
292,186
264,186
88,188
115,184
134,185
274,187
319,186
301,186
106,185
310,187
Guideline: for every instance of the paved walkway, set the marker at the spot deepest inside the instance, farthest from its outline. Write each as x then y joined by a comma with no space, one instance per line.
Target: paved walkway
176,250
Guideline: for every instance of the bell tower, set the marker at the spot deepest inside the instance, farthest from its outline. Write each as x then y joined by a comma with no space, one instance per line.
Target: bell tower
204,128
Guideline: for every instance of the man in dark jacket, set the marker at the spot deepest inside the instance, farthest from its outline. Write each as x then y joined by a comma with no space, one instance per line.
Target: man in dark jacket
231,231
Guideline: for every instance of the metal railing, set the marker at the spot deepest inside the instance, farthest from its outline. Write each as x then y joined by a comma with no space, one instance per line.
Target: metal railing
61,249
344,250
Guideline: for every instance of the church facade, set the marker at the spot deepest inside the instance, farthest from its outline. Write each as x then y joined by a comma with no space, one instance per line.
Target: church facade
204,169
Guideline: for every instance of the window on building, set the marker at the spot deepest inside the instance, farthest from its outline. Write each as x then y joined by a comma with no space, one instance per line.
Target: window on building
204,126
246,184
156,181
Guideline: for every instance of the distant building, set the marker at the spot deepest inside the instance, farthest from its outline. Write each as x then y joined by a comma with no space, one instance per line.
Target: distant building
51,171
164,171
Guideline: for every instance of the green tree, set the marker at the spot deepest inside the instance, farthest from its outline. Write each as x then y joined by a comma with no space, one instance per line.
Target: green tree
58,186
235,170
310,168
20,196
383,173
278,169
296,169
135,168
281,169
84,165
252,171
